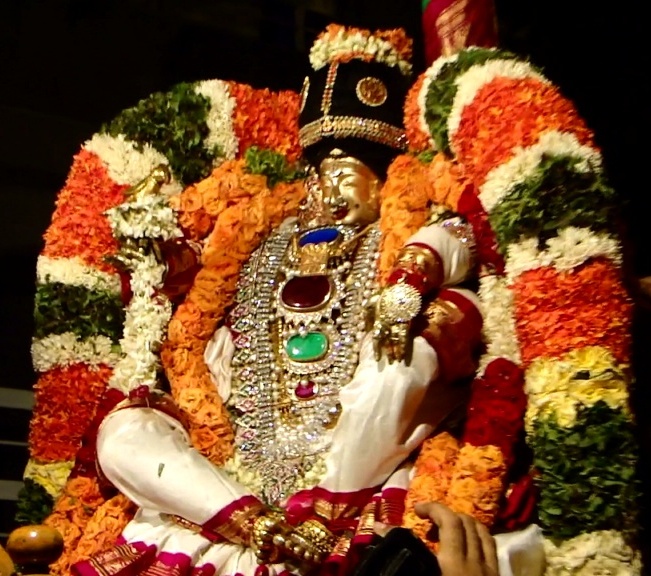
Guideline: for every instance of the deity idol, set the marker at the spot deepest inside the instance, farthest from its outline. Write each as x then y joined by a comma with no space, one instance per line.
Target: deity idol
332,383
319,338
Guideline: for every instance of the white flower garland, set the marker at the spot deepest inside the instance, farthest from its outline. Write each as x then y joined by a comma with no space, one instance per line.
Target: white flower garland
572,247
327,48
499,321
66,349
525,161
147,316
74,272
476,77
553,388
149,311
220,118
144,217
127,165
601,553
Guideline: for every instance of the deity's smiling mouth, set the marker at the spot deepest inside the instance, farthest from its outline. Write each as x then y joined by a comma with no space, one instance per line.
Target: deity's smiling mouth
340,212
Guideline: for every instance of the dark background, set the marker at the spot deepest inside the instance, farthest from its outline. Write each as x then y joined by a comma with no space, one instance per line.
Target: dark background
66,66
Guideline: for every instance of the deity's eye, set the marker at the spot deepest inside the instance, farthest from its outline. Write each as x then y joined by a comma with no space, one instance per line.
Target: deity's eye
304,91
371,91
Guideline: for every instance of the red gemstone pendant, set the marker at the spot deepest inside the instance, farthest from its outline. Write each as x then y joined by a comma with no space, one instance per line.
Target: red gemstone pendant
306,293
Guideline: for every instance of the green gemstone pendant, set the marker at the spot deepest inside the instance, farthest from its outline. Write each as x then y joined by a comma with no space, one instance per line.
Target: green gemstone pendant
313,346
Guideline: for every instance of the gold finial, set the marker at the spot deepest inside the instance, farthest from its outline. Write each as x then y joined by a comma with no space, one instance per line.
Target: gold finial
152,184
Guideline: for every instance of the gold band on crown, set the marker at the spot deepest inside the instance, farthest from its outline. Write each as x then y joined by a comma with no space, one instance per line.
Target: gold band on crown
352,127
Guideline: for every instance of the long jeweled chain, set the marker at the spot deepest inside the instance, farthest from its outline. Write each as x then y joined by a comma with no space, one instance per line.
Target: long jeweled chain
278,434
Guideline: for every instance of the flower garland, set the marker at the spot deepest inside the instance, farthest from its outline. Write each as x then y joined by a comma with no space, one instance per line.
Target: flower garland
77,355
250,211
343,44
568,324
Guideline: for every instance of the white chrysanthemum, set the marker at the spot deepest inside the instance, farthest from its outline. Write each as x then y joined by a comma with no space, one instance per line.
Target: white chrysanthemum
572,247
327,48
471,81
127,165
147,317
144,217
525,161
51,476
601,553
499,321
74,272
66,349
220,118
553,389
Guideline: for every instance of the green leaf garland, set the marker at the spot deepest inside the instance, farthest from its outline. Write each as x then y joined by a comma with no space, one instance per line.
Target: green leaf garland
174,123
593,486
273,165
556,196
34,504
60,308
441,92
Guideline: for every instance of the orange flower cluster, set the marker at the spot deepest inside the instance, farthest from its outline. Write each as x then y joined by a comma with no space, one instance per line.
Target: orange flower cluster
397,37
249,212
557,312
405,203
477,482
79,227
103,528
507,113
72,512
266,119
433,473
409,192
66,398
418,139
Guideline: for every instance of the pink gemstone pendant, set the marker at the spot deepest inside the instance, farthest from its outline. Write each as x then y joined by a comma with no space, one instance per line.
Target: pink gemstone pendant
306,390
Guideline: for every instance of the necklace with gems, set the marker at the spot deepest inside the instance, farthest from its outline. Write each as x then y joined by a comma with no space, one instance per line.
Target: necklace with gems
300,304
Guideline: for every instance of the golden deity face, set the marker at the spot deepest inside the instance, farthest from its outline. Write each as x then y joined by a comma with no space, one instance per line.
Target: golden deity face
350,189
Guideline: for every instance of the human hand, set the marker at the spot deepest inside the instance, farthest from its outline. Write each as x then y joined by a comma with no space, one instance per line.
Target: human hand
466,548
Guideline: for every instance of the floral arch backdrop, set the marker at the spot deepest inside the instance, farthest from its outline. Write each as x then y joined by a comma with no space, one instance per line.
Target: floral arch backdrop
491,138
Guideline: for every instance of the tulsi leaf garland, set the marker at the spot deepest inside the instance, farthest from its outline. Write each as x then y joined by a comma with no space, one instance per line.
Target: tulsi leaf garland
593,486
60,308
34,504
557,195
273,165
441,92
175,124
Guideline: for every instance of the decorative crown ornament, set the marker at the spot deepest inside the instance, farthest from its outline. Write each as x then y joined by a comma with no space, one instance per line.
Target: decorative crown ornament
353,99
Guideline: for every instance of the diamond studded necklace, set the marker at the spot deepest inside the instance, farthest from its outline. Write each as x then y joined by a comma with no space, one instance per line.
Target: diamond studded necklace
299,308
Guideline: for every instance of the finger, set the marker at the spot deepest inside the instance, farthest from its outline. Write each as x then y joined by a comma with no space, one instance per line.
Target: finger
474,549
489,548
452,535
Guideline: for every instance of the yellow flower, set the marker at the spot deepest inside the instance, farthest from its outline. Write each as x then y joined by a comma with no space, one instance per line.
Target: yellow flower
581,377
51,475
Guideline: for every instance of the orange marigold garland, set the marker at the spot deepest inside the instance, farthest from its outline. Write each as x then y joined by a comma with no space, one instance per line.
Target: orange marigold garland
555,314
254,211
79,227
72,512
433,471
66,397
528,107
